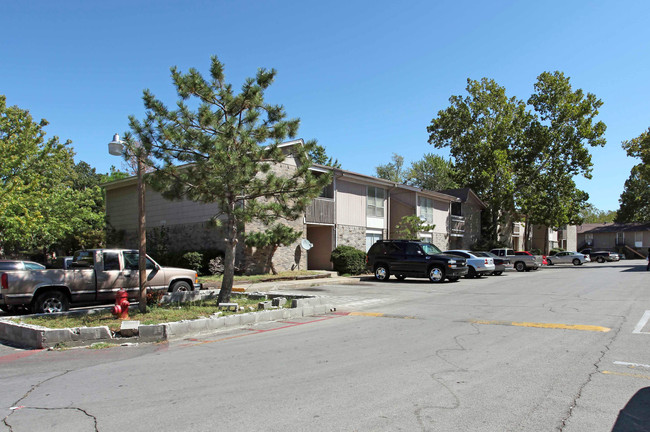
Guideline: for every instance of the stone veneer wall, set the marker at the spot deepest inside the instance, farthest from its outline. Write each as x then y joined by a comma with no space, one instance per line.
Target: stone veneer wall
349,235
286,258
472,226
441,240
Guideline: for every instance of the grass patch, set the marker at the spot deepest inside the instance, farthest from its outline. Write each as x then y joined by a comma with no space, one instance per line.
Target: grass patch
261,278
155,315
102,345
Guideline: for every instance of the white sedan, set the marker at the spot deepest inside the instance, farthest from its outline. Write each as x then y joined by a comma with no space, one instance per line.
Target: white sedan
574,258
477,266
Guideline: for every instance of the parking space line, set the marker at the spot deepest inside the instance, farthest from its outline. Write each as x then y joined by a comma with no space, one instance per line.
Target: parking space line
632,365
544,325
379,314
626,374
642,322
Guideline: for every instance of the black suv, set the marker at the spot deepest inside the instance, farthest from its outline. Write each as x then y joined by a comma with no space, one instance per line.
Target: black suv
415,259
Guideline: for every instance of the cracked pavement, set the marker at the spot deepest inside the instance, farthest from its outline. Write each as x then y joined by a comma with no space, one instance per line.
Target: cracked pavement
370,371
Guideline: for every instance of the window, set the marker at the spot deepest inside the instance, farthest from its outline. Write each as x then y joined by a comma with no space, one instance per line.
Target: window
456,209
131,260
111,261
426,209
620,238
375,207
371,238
413,249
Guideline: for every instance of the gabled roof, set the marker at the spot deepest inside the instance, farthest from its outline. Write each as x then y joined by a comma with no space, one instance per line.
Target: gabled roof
465,194
607,227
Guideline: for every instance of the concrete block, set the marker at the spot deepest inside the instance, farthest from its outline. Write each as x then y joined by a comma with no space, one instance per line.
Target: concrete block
264,305
95,333
276,315
176,329
229,306
279,301
321,309
257,296
297,303
307,311
153,332
198,325
264,316
232,320
216,322
52,337
248,318
294,313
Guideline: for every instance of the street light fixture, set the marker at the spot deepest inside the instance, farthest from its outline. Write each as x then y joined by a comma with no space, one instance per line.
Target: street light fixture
117,148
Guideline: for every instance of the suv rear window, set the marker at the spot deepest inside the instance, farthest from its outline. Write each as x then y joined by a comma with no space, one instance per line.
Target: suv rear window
10,266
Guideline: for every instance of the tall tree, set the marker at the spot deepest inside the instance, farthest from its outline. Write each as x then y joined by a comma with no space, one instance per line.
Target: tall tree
432,172
38,203
556,150
591,214
480,130
392,171
229,146
635,199
272,238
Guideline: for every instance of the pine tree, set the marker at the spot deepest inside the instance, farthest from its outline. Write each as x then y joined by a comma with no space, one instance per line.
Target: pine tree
224,152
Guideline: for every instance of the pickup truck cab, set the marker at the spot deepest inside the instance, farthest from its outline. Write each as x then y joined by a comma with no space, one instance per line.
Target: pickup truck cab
521,262
94,276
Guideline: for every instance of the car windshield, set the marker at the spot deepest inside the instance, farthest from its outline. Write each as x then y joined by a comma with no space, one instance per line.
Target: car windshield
485,254
430,249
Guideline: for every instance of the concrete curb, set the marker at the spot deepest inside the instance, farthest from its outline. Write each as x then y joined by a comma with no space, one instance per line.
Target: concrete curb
31,336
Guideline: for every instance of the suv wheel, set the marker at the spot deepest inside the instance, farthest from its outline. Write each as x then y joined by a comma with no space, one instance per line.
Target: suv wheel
382,273
601,260
436,274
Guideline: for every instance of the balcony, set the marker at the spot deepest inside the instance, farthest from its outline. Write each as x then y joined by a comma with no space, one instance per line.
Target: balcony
457,226
320,211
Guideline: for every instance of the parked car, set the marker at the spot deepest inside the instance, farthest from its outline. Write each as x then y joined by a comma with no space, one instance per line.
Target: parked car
541,257
413,258
601,256
574,258
94,276
522,262
20,265
501,264
477,266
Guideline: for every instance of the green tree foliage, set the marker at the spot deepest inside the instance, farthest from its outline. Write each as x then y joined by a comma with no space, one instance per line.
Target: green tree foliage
635,199
556,150
409,226
392,171
518,160
318,156
480,131
590,214
274,237
43,199
432,172
228,148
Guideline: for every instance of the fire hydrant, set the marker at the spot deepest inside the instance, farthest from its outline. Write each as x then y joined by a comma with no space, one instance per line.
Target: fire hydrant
121,308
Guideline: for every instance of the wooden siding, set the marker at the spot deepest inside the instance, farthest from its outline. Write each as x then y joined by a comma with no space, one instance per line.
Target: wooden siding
321,211
350,203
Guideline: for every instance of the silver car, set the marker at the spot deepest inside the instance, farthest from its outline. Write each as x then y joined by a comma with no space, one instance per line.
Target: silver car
477,266
574,258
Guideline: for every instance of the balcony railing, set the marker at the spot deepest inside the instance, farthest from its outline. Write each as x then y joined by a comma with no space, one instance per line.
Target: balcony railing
457,226
320,211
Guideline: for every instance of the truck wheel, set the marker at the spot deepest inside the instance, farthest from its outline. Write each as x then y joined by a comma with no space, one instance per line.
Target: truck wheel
51,302
520,266
600,260
382,273
436,274
181,286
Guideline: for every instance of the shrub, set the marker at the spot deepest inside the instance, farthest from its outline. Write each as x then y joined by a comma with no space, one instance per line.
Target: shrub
216,266
536,251
347,259
555,251
193,260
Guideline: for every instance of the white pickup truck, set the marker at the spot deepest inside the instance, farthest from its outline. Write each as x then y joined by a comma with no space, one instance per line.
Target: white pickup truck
94,276
520,261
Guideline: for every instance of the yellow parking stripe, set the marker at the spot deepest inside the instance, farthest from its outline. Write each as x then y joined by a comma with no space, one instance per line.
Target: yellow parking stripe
545,325
379,314
627,374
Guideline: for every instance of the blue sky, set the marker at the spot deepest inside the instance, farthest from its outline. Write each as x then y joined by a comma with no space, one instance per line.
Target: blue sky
365,77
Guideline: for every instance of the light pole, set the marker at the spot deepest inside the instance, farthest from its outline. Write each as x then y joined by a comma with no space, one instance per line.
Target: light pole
117,148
